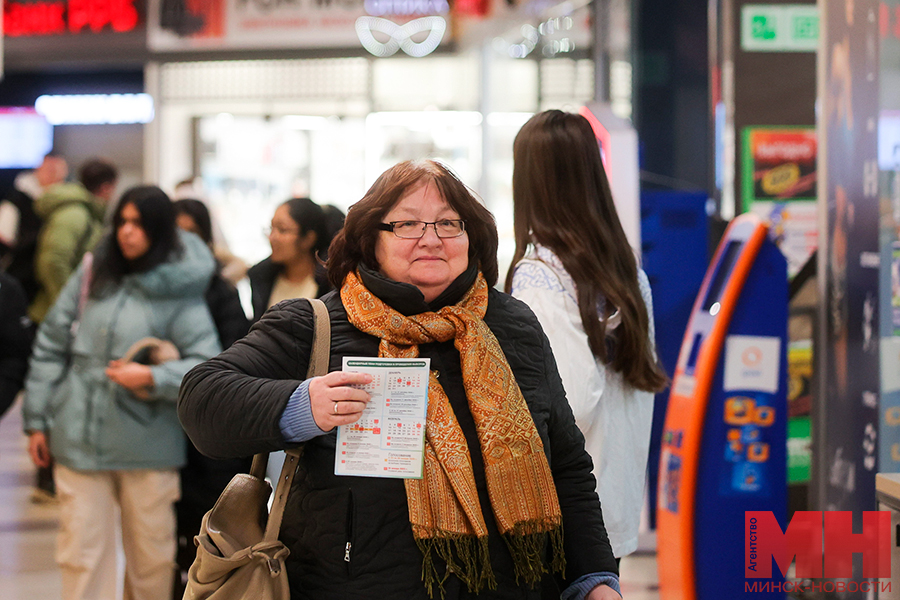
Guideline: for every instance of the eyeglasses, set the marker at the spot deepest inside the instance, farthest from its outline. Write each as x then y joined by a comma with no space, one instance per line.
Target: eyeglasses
267,231
413,230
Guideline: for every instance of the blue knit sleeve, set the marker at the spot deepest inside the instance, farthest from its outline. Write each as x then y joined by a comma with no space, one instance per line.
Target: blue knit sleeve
297,422
584,584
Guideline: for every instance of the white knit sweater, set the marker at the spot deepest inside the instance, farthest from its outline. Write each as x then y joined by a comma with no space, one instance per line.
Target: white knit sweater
614,417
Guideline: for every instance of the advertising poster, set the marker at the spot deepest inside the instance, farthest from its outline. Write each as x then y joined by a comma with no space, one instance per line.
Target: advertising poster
779,184
848,366
779,164
889,191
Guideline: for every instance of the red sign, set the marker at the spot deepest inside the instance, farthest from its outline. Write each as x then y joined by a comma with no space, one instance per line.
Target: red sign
53,17
829,555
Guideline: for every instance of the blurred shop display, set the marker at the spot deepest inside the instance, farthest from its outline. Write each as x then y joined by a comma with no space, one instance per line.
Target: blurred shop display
803,311
451,137
250,164
253,161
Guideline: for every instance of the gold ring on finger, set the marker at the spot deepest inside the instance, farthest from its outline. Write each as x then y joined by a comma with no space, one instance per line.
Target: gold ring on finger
335,408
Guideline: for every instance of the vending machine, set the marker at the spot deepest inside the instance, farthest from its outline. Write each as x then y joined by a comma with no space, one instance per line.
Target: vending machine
724,442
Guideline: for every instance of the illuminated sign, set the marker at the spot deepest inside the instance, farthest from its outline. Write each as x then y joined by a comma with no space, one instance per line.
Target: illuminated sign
52,17
96,109
406,7
399,37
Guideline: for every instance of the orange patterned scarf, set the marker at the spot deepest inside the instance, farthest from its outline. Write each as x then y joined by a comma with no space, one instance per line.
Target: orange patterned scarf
444,510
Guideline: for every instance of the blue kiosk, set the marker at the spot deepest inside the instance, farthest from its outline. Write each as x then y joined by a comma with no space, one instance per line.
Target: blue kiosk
724,441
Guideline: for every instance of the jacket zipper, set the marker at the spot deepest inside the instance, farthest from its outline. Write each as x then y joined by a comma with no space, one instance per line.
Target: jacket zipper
349,545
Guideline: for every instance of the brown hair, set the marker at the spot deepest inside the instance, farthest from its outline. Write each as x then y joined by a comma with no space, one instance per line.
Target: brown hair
355,243
562,201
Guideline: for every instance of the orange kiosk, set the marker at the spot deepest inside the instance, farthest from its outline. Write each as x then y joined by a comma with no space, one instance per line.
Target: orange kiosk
724,442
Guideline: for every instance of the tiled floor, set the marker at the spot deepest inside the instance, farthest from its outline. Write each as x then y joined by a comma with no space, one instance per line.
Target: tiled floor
28,532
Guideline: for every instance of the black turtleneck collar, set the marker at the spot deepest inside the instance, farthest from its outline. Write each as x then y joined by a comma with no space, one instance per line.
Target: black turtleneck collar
407,299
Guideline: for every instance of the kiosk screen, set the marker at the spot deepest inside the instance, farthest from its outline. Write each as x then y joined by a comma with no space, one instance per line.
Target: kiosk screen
729,256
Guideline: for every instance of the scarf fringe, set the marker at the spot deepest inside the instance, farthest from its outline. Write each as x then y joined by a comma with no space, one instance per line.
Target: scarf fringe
466,556
527,542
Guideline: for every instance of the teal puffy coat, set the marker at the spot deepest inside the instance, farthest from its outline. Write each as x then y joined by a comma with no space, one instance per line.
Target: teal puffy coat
93,423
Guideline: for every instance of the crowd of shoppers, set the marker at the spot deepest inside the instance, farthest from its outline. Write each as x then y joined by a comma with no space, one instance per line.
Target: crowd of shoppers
534,467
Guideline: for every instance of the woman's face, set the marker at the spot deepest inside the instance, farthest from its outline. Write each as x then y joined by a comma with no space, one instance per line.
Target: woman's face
430,263
288,245
130,234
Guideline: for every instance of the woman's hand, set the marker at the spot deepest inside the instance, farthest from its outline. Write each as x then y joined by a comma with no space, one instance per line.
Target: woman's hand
603,592
39,449
134,377
334,402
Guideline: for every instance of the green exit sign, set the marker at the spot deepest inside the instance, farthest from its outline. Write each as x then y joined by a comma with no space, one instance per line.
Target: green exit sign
779,28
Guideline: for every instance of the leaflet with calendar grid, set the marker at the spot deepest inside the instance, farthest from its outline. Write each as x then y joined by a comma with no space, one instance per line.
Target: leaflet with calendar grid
389,438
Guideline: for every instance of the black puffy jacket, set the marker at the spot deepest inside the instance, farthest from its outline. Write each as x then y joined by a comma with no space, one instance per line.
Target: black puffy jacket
262,278
350,536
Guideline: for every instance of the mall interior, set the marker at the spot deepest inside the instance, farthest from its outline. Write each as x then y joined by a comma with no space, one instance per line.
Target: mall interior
751,152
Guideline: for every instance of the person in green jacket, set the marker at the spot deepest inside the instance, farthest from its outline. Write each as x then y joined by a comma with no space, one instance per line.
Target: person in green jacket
110,424
72,215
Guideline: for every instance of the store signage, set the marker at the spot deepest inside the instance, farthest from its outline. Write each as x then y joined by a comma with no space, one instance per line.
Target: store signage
252,24
406,7
779,28
52,17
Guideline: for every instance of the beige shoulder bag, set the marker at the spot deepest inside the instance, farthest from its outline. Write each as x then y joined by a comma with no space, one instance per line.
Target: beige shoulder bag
238,551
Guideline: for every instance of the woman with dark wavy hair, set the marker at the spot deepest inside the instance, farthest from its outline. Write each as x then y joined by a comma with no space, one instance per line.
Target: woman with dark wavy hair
574,267
506,507
110,424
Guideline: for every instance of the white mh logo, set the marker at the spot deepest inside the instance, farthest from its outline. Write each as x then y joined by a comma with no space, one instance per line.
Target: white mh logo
400,36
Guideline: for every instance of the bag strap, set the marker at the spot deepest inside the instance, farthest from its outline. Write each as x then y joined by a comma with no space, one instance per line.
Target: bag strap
318,365
87,262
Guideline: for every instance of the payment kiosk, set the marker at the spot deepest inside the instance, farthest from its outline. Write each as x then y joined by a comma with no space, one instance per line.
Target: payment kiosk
724,441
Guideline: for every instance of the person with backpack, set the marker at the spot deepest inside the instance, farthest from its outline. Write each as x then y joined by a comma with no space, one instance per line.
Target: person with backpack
72,216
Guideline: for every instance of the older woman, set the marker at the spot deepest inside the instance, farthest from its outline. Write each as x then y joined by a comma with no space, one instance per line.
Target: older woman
506,507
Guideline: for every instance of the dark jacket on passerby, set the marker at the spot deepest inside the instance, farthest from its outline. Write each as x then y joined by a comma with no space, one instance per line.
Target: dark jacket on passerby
17,255
350,537
226,310
73,224
16,335
262,278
